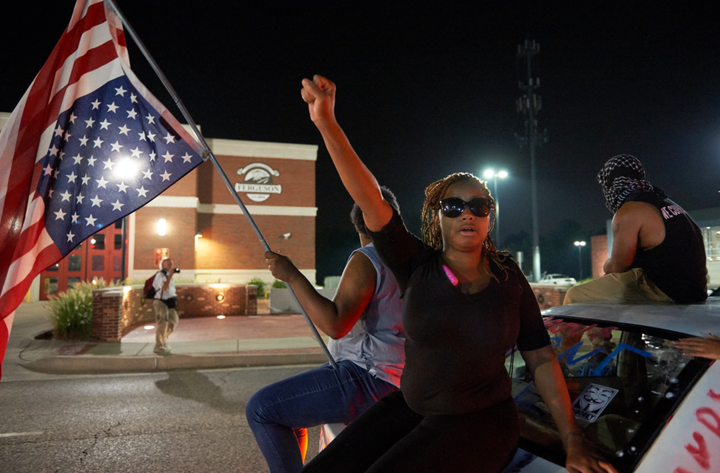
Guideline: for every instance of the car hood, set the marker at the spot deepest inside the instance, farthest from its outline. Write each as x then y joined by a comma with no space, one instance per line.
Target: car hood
691,319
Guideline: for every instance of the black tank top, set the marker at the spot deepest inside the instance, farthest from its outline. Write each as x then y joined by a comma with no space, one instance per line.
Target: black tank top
678,265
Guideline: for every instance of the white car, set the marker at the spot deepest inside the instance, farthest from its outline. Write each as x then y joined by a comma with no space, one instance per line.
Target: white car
557,280
637,399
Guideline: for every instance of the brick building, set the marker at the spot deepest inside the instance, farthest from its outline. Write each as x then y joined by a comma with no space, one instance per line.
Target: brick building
205,232
208,236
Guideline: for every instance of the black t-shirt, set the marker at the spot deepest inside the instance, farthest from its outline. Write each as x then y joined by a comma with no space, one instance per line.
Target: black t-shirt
678,265
456,343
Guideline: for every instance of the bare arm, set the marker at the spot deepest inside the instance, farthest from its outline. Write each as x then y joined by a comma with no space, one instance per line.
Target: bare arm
357,179
626,231
549,381
337,317
704,347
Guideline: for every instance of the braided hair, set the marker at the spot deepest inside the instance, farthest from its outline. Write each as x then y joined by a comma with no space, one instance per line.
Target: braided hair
430,226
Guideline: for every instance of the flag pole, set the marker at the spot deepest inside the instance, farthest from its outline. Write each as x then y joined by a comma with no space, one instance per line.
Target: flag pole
208,154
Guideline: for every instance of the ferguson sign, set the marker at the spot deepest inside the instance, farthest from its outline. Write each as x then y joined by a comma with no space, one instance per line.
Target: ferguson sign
258,182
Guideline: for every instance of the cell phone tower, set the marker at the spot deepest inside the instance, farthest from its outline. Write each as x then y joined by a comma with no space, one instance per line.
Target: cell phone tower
529,104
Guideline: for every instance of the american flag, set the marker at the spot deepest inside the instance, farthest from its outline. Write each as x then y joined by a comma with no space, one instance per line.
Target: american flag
86,145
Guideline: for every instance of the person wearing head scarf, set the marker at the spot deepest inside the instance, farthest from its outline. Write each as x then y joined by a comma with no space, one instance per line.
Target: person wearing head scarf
657,249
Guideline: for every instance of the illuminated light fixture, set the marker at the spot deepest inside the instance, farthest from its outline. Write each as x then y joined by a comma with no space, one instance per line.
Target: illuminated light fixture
149,327
220,317
287,235
220,297
92,241
162,227
126,168
579,243
198,235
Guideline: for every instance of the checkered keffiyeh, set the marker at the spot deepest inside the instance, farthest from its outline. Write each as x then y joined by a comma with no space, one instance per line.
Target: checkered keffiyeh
621,176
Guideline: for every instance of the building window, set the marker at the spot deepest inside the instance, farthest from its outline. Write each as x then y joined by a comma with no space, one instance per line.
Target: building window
712,243
118,224
72,282
74,263
97,242
98,263
116,263
118,242
51,285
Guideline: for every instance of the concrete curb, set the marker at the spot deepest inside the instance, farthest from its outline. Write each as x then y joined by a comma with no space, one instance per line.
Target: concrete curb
99,364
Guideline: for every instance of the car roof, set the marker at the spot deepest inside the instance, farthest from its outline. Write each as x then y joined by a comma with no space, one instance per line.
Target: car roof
691,319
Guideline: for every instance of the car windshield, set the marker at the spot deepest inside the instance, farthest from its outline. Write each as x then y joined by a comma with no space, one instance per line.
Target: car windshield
623,383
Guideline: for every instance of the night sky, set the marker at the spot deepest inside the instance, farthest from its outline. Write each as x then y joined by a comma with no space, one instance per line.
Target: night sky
424,91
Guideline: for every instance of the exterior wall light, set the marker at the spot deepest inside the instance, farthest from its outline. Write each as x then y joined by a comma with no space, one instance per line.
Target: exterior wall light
220,297
220,317
162,227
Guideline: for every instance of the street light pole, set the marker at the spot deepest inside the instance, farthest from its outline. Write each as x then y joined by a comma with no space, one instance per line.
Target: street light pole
529,105
579,245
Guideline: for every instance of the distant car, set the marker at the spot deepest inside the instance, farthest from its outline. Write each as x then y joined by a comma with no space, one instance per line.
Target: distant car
636,398
557,280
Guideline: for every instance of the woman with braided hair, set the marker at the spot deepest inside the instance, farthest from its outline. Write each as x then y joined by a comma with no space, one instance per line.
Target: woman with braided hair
464,306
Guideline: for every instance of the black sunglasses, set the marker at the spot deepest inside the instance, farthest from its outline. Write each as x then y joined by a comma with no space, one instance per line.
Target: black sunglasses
454,206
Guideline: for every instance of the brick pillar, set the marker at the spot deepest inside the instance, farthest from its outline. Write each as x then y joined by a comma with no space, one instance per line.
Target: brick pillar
250,300
107,315
599,252
549,296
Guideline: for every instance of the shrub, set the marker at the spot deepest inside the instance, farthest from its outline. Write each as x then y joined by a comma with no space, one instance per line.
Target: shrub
261,286
279,284
72,311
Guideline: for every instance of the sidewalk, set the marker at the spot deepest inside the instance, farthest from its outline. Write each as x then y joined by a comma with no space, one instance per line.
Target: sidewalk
202,343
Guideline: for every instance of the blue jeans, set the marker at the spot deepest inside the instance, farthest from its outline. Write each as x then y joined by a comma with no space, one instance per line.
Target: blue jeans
280,413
